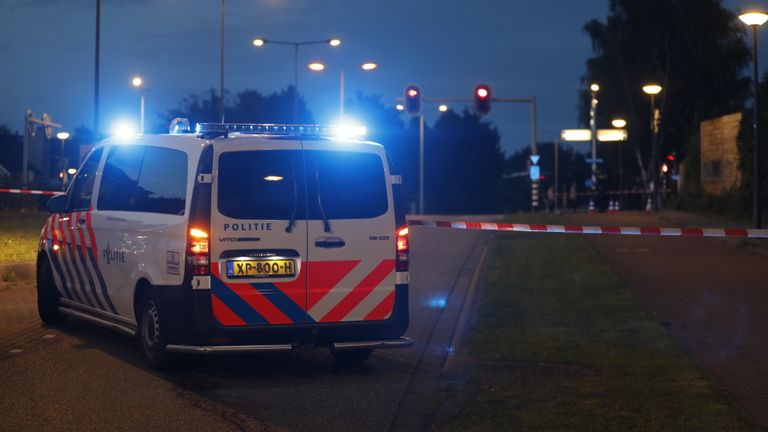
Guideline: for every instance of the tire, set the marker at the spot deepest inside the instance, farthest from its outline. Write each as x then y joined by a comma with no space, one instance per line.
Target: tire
351,358
47,295
151,333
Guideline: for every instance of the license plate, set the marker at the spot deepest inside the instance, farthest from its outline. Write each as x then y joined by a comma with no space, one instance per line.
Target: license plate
261,268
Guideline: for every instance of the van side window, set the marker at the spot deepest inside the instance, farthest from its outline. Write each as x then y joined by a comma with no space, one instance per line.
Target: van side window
162,186
350,185
82,188
120,177
144,179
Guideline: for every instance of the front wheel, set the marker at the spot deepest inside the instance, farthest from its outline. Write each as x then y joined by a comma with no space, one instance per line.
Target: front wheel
152,333
47,295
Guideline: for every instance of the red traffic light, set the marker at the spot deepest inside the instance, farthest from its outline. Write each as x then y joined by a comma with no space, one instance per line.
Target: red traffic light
482,99
413,100
671,157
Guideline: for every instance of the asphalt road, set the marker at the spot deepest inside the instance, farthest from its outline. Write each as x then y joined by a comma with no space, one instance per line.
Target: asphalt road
711,294
78,377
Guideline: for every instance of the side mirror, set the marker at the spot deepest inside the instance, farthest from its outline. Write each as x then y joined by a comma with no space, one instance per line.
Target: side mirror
57,204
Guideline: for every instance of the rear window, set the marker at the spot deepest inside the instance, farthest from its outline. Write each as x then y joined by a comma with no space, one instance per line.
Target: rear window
261,184
346,185
271,185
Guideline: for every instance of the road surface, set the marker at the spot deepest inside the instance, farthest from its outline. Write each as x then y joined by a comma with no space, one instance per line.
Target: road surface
78,377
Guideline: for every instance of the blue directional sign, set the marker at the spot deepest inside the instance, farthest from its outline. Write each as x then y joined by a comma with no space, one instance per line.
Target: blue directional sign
534,159
597,161
535,172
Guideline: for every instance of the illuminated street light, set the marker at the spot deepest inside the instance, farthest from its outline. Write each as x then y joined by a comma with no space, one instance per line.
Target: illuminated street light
755,20
618,123
593,89
400,107
260,42
72,171
443,108
653,90
138,83
62,136
318,67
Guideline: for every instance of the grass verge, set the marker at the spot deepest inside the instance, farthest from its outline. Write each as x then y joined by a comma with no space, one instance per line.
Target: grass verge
561,344
19,233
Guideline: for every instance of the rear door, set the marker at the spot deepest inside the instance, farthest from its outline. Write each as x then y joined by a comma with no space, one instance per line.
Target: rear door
258,233
351,232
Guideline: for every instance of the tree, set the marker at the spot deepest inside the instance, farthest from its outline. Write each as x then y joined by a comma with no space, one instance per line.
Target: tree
464,164
695,49
385,126
248,106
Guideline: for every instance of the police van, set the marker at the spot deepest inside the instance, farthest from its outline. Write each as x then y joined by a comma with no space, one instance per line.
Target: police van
237,238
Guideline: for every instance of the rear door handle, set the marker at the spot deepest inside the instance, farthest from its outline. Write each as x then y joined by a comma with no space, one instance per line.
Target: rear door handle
330,242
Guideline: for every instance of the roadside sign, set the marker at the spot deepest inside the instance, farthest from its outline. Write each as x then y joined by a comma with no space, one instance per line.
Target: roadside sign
597,161
535,172
535,159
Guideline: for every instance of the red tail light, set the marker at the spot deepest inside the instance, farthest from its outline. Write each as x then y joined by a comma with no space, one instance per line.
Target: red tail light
402,249
198,255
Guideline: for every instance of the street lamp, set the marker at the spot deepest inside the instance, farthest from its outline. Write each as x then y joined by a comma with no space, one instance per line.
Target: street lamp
400,107
365,67
138,83
62,136
755,20
653,90
260,42
620,123
443,108
593,89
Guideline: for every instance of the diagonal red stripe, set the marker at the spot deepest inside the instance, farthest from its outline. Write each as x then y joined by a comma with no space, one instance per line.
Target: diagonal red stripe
383,310
360,291
92,236
324,275
224,314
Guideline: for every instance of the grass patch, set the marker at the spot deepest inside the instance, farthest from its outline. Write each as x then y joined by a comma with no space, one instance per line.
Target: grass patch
19,234
561,344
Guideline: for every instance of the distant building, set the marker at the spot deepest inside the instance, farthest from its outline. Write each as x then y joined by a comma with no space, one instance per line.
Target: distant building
720,153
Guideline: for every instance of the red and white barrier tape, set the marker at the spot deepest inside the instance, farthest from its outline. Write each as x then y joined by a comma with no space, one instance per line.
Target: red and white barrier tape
577,229
29,191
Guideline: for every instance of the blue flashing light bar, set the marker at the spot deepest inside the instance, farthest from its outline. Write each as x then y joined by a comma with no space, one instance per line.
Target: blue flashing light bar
222,129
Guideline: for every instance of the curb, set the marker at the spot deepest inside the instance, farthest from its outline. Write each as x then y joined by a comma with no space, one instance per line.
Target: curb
22,270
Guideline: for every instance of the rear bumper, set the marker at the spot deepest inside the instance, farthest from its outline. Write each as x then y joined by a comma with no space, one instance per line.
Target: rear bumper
238,349
200,332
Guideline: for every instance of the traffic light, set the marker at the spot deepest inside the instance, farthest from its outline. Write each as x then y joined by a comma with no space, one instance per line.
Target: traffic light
482,99
413,100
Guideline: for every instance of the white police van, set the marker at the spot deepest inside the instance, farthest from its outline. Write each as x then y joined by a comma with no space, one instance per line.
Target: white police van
239,238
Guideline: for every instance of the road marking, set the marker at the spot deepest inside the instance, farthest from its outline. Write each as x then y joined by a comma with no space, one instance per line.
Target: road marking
49,336
15,351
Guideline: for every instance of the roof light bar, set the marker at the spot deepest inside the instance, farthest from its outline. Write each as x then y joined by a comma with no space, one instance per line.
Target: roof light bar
265,129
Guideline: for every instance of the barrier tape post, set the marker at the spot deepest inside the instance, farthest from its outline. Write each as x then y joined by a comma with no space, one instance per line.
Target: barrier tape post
579,229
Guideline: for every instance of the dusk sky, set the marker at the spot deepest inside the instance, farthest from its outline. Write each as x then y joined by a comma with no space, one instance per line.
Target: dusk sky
521,49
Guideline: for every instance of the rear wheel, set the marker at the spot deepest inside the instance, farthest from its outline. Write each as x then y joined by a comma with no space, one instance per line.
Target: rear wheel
151,332
348,358
47,295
